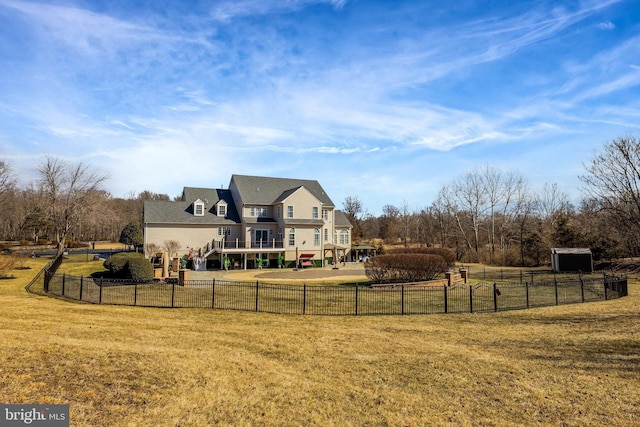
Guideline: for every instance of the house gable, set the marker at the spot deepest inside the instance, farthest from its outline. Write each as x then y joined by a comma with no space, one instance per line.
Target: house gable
300,204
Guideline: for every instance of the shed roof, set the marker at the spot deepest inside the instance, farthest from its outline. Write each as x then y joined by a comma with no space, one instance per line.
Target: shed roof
574,251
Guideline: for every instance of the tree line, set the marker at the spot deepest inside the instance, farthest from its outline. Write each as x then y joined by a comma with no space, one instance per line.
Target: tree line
493,216
65,204
487,215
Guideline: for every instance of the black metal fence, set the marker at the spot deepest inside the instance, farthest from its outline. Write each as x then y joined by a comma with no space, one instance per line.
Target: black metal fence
350,299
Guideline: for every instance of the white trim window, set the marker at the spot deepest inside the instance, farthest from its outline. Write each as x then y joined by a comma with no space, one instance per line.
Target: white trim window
224,231
316,237
292,237
314,212
198,208
290,211
222,210
344,237
256,211
326,234
325,214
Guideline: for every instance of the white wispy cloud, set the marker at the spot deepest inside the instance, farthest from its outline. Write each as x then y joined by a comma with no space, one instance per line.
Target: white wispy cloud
228,10
606,25
84,30
253,86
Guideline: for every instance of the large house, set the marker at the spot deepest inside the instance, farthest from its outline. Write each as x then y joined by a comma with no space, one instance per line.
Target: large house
256,222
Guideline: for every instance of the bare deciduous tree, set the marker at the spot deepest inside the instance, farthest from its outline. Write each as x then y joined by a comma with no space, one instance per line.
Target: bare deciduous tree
7,180
352,207
171,246
407,219
66,189
613,178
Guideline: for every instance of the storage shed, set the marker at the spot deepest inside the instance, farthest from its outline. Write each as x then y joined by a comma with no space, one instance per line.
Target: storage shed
571,259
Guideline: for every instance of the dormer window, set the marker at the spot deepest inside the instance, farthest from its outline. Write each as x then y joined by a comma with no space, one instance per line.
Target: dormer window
221,209
198,208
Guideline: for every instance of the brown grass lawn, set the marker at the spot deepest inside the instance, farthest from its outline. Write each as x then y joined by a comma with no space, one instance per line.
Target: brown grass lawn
132,366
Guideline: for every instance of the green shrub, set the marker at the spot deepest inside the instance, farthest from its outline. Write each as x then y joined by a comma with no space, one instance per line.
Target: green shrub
116,262
129,265
139,268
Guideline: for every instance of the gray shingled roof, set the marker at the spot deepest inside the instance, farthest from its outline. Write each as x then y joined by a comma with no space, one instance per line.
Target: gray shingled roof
342,220
164,212
257,190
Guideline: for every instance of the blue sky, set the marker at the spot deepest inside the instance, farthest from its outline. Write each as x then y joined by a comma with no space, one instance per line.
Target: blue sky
384,100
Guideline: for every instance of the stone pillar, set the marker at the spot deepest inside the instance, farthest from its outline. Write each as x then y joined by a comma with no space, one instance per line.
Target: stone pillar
463,274
165,264
449,276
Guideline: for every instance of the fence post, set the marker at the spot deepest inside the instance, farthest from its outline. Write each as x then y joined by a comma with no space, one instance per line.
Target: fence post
526,287
470,299
402,299
495,297
256,295
213,294
47,278
446,305
304,298
81,281
173,293
555,284
64,276
100,294
604,284
356,299
581,289
135,294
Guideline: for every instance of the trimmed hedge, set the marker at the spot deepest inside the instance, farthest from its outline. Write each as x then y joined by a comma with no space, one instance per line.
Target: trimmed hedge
116,262
448,255
404,267
129,265
139,269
